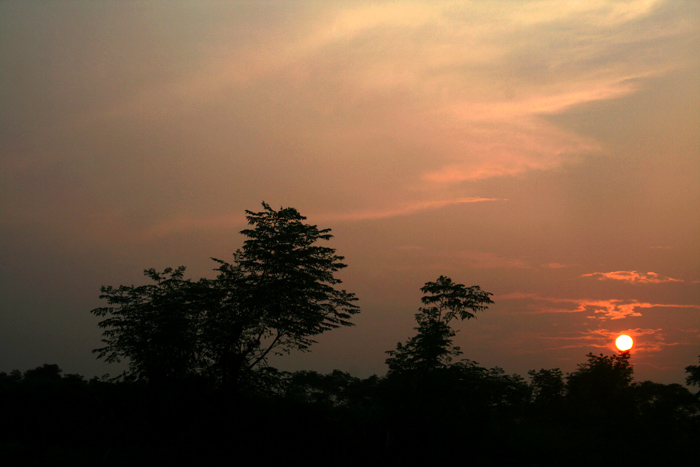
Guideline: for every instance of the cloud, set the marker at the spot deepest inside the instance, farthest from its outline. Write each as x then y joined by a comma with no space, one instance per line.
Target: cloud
473,259
611,309
645,339
400,210
361,104
518,296
600,309
487,260
555,265
471,82
185,222
633,277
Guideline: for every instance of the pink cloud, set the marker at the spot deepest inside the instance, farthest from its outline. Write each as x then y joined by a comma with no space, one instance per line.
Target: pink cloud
612,309
633,277
401,210
185,223
618,309
486,260
518,296
645,340
555,265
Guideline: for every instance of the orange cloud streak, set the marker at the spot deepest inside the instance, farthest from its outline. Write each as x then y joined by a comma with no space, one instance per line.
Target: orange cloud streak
612,309
633,277
401,210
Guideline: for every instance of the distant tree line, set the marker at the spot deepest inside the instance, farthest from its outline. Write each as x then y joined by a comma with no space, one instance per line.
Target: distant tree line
198,389
460,413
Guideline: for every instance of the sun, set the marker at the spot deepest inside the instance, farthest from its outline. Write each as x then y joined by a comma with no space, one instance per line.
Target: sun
624,342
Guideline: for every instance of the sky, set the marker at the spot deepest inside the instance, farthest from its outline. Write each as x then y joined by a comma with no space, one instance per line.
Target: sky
547,151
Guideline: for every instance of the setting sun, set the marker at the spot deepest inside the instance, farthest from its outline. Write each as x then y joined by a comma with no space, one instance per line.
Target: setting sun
624,342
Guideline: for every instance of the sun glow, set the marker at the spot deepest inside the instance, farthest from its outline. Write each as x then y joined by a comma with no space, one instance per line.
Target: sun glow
624,342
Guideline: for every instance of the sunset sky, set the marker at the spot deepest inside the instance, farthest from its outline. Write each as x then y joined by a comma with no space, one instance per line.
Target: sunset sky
547,151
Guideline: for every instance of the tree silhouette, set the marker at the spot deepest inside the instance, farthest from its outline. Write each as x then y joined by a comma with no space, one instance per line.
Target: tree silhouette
432,345
422,382
46,372
693,378
277,294
600,390
155,327
547,392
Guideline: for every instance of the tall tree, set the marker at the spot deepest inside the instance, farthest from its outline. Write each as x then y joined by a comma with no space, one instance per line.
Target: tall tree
275,297
278,294
432,346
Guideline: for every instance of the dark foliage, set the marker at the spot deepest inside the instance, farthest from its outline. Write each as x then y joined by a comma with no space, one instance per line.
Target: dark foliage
275,297
468,414
432,348
599,393
693,378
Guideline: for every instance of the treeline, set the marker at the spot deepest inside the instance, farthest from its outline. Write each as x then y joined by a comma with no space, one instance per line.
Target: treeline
198,388
461,414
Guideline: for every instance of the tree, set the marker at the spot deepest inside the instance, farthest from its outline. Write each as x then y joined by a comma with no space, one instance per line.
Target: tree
421,377
547,385
601,388
693,378
432,346
46,372
603,372
667,408
277,294
155,327
547,389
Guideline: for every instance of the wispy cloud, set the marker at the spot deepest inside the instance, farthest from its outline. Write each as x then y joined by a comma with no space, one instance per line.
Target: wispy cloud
487,260
555,265
601,309
611,309
645,339
475,259
473,92
188,223
372,102
633,277
401,210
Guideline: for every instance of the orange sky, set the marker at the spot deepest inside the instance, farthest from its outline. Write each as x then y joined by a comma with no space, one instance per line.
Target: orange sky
548,151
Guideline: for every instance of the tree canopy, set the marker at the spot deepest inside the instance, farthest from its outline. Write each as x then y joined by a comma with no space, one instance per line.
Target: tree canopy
432,346
277,294
154,326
